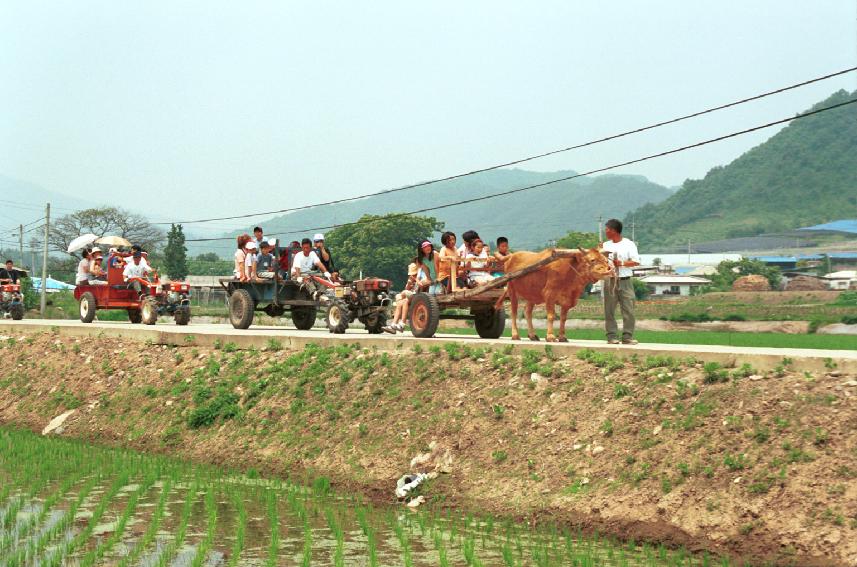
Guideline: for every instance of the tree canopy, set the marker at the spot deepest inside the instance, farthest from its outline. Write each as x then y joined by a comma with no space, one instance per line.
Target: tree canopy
730,270
380,245
578,240
104,221
175,253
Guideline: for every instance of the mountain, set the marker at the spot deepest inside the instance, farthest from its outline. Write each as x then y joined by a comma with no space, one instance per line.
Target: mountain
805,174
529,219
22,201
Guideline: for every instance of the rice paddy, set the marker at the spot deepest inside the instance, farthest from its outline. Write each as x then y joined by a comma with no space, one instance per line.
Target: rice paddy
67,503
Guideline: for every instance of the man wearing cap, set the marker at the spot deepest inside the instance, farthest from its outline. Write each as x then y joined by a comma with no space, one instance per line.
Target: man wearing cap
306,260
135,269
324,255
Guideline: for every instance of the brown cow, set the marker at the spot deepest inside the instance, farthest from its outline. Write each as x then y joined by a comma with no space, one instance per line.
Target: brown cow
558,283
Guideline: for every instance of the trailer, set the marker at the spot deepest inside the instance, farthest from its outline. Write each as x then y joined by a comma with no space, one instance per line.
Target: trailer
427,309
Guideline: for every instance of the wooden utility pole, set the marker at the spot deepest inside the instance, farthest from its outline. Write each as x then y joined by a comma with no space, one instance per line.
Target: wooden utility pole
633,229
21,244
600,222
45,260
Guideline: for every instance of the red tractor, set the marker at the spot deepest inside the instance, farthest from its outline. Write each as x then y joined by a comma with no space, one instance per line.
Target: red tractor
11,301
155,298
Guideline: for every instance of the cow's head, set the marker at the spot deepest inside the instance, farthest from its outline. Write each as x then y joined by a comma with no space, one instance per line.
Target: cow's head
599,266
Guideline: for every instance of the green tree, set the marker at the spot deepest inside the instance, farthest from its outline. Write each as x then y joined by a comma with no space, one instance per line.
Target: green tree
380,245
730,270
578,240
175,253
208,257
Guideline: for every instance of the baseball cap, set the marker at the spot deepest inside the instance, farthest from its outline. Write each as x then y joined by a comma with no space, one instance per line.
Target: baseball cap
138,254
425,244
318,236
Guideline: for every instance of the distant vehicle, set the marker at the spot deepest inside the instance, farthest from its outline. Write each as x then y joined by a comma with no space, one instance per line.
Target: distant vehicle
11,302
156,298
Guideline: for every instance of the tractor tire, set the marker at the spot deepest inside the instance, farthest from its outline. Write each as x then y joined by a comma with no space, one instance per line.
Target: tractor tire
241,309
424,316
149,311
17,311
304,317
135,316
490,324
337,318
87,307
182,315
375,323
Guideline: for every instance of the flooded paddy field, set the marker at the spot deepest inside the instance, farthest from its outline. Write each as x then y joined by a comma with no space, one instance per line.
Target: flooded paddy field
66,503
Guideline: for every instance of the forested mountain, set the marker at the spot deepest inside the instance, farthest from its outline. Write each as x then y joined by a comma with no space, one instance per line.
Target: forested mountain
529,219
805,174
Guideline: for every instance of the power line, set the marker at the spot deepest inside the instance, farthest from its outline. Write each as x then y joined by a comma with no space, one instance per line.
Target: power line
529,158
568,178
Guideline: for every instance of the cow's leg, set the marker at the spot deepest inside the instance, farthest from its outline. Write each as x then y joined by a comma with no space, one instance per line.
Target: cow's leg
531,334
551,309
563,314
513,307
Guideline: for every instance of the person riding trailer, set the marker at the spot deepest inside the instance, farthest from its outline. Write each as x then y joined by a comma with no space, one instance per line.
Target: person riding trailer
305,260
134,271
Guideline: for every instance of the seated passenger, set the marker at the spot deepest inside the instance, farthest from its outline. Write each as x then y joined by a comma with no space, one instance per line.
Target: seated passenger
266,267
9,274
135,269
324,255
418,280
477,266
467,246
501,255
83,275
95,267
305,260
448,255
240,257
250,260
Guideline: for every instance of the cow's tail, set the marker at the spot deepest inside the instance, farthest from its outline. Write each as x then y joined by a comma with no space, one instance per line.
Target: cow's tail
499,304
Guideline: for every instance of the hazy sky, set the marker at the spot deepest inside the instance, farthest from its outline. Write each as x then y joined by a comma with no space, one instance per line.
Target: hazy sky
189,109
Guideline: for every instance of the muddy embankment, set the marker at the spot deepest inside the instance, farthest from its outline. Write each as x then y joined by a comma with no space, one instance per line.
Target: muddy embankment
759,465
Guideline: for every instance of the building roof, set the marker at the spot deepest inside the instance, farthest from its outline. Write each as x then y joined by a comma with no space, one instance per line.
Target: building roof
689,259
675,280
775,259
846,225
843,275
204,281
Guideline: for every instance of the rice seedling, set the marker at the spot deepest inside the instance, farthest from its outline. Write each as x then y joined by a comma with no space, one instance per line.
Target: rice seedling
152,528
274,545
240,529
211,513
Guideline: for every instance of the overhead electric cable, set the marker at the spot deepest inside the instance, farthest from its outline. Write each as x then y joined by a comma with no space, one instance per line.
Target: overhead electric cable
526,159
568,178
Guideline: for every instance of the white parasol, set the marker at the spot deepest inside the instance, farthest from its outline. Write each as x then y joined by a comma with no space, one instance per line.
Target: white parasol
81,241
113,241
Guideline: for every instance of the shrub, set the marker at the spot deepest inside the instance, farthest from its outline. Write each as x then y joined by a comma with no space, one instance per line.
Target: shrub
734,317
714,373
224,406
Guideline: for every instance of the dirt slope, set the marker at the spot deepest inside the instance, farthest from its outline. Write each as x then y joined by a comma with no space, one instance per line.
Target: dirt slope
718,459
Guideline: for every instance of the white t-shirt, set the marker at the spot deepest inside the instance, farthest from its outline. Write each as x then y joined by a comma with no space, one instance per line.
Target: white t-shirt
82,271
623,250
249,259
133,270
240,256
305,262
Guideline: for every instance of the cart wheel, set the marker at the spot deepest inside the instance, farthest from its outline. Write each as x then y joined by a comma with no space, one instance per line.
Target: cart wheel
375,323
304,317
87,307
240,309
135,316
182,315
424,316
149,311
490,324
337,318
17,311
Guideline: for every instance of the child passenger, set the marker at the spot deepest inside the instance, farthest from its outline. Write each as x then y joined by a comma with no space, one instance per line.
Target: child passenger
266,267
478,263
501,255
418,280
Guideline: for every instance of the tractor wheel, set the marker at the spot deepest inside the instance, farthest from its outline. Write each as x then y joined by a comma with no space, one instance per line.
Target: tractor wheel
375,323
304,317
424,316
490,324
135,316
182,315
337,318
87,307
241,309
17,311
149,311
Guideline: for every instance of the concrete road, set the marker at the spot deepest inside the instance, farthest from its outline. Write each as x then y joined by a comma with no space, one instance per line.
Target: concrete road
207,334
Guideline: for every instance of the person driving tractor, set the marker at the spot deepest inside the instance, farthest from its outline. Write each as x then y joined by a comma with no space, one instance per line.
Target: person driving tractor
9,274
135,269
305,260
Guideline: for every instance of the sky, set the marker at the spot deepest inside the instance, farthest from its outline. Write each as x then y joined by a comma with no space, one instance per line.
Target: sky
185,110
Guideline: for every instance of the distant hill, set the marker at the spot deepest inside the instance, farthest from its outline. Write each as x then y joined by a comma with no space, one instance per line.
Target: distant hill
28,201
803,175
529,219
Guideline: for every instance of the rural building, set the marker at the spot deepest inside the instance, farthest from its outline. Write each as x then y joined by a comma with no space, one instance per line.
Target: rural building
206,289
671,285
846,279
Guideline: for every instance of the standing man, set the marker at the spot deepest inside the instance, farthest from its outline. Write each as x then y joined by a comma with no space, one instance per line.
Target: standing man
324,255
258,236
619,289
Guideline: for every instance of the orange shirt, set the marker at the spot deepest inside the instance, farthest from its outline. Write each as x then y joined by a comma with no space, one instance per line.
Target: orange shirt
444,267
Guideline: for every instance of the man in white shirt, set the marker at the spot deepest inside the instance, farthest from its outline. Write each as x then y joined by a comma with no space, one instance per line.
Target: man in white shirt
619,289
305,260
135,269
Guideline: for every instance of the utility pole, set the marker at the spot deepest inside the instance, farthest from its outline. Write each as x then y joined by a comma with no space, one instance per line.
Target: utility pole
45,260
600,222
21,243
688,250
633,229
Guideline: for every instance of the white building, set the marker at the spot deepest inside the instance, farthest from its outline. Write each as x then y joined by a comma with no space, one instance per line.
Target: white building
846,279
672,285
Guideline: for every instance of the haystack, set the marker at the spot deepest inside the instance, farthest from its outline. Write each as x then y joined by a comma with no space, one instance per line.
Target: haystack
805,283
753,282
